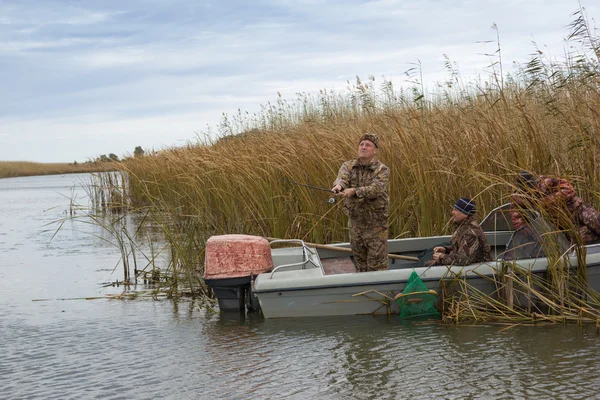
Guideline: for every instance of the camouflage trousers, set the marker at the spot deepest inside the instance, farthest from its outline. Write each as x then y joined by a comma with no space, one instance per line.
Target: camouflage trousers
369,247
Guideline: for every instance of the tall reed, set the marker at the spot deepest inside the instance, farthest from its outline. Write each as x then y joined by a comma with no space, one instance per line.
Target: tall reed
436,152
459,139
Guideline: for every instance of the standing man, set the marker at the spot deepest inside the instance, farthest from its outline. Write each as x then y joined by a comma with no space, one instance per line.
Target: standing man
363,184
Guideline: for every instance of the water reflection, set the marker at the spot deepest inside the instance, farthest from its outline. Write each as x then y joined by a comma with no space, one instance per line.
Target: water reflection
144,348
374,357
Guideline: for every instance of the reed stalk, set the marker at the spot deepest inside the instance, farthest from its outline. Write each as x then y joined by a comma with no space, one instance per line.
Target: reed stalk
455,140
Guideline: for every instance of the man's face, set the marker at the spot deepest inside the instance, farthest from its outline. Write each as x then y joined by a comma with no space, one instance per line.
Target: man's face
366,150
457,216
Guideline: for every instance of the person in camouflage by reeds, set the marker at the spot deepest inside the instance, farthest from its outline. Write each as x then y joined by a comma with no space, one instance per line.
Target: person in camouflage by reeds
468,244
363,184
556,198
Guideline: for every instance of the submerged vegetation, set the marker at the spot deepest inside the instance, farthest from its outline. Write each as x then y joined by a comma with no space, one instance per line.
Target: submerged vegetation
458,139
523,298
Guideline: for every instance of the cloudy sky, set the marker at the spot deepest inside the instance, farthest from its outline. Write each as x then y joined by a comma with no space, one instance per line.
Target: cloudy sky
84,78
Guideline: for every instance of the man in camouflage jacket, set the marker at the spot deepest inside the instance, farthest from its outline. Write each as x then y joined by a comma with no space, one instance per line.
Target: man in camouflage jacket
556,198
363,184
468,244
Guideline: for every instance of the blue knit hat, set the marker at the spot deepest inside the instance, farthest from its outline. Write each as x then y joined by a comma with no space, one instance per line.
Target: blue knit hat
465,205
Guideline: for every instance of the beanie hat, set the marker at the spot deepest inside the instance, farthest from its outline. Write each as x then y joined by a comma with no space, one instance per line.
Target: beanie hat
526,180
370,136
465,205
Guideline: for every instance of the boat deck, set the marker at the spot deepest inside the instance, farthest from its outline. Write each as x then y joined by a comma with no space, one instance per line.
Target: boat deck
338,265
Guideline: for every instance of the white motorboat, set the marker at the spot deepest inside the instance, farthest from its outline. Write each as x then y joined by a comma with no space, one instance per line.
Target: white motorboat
300,280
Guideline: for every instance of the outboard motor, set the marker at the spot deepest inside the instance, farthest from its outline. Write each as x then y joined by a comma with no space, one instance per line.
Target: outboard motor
230,265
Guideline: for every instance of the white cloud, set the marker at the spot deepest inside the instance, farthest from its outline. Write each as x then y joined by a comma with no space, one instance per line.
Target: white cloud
113,59
50,13
85,18
22,46
151,74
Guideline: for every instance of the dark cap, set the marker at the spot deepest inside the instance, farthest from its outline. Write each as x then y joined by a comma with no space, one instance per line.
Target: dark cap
466,206
370,136
526,180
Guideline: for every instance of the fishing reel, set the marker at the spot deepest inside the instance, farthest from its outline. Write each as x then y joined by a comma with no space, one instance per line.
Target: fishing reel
331,200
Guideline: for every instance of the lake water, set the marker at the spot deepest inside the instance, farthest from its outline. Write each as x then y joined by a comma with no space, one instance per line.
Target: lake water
154,349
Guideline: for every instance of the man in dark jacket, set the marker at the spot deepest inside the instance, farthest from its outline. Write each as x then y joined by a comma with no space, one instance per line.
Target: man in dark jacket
363,184
468,244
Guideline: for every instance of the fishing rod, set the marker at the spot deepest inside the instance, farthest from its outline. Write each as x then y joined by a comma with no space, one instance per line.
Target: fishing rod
309,186
331,200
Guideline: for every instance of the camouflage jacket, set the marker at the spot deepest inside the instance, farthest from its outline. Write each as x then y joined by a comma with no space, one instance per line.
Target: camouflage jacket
468,245
587,220
370,206
555,196
548,191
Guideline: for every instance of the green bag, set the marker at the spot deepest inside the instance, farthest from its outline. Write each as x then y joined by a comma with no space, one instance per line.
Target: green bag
416,300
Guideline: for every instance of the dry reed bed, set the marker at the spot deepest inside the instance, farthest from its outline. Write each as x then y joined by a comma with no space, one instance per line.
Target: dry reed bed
436,153
462,140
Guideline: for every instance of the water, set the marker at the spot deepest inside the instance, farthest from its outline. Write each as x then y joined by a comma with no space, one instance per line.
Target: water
143,349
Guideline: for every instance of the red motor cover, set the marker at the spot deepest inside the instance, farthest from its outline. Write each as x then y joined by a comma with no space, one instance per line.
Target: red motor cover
236,256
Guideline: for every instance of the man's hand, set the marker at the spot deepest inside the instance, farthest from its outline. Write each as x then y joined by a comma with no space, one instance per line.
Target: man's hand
336,189
348,192
439,249
436,256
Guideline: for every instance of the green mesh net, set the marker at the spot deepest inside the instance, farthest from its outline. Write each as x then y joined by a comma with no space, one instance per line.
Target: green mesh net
417,300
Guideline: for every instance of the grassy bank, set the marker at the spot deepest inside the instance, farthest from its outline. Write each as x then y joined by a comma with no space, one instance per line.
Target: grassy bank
10,169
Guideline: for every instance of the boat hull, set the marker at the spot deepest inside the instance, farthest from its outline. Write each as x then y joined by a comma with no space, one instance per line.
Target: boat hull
310,293
306,282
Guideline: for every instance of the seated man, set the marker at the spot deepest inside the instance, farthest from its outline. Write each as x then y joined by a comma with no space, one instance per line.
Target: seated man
523,199
536,238
468,244
526,242
532,233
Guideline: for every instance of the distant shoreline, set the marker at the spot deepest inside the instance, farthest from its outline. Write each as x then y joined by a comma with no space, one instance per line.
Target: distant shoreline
15,169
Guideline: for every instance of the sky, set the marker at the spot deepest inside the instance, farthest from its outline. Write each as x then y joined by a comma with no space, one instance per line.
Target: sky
83,78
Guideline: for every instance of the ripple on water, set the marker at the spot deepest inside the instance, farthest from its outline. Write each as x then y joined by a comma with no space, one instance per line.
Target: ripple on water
162,349
143,347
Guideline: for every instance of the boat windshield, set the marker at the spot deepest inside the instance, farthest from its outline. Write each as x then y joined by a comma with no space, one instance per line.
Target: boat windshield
498,220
